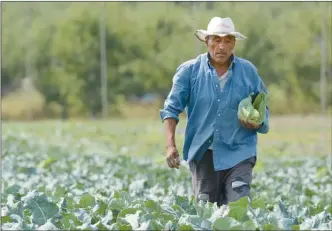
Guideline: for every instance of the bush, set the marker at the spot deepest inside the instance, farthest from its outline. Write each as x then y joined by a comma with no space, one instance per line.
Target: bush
22,105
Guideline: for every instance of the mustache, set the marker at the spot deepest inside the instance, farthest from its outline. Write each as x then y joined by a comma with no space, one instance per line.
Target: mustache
221,53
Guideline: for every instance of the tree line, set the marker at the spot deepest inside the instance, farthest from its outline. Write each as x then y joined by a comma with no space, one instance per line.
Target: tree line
57,45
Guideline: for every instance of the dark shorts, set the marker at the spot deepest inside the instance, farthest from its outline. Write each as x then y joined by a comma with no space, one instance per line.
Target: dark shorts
221,186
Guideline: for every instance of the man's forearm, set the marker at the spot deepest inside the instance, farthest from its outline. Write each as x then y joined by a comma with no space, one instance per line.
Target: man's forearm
169,128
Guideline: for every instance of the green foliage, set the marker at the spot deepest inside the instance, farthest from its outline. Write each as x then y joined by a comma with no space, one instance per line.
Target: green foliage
63,183
253,108
146,41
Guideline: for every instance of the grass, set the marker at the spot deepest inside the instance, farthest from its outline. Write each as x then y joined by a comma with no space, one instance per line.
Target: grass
288,135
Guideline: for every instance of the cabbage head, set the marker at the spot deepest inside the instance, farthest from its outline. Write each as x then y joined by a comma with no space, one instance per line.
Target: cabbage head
253,108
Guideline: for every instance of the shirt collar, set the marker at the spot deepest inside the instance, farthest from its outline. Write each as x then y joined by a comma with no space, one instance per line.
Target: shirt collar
230,66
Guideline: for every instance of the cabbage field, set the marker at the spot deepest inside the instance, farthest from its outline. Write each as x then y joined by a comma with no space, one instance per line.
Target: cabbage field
112,176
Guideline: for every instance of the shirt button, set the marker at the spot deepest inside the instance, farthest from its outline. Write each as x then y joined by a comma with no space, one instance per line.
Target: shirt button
216,85
216,130
218,100
218,114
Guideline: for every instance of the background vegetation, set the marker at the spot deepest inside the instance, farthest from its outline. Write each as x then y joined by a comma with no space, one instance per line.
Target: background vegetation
51,54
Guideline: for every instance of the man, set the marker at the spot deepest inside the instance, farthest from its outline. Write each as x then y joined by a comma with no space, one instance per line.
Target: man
220,149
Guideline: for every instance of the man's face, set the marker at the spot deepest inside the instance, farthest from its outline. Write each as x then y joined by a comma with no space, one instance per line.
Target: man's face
220,48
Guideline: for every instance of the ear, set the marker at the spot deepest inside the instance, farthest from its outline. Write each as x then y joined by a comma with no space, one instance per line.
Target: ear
206,40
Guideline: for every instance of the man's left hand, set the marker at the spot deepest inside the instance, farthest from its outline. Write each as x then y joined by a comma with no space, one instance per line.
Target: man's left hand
249,125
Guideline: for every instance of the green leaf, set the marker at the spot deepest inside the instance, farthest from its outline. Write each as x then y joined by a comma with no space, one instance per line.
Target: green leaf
100,208
220,212
164,217
206,225
238,213
185,204
270,227
121,226
281,209
156,225
94,219
119,201
322,171
40,208
102,226
236,227
6,219
68,203
147,217
185,227
286,223
193,220
223,223
17,209
316,221
151,205
168,211
205,209
86,200
169,226
309,193
243,202
69,220
116,204
59,192
122,195
48,226
47,163
295,227
273,218
83,216
178,209
86,226
126,211
13,189
258,203
250,225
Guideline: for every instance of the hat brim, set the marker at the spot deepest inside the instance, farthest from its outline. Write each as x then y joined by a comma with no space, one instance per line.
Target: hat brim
201,35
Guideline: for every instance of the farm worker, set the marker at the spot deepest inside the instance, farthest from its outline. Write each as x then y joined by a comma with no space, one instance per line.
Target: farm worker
220,149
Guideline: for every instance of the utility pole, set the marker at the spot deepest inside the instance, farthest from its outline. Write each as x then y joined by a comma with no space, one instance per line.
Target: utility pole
103,62
27,58
27,64
323,63
323,79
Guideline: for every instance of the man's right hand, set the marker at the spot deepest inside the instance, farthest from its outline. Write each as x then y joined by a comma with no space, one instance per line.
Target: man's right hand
173,158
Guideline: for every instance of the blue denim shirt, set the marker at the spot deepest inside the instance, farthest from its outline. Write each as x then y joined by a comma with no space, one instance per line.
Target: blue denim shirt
212,113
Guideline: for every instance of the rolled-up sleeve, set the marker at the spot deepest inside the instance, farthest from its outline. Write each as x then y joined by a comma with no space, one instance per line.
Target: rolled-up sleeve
178,96
260,87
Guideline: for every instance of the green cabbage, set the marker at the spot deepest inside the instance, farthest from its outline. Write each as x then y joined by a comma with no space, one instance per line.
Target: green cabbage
253,108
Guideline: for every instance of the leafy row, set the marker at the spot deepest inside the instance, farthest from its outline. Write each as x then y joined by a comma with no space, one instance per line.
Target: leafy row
57,187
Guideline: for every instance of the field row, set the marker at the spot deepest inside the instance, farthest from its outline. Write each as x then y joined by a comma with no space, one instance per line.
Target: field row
63,183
